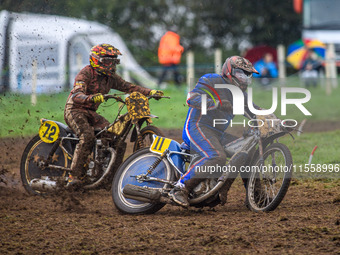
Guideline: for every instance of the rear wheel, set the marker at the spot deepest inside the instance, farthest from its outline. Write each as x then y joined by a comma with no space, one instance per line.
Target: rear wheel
147,137
268,183
137,164
35,152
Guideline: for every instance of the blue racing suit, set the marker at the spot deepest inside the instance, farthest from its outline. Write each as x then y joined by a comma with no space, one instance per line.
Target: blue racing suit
199,131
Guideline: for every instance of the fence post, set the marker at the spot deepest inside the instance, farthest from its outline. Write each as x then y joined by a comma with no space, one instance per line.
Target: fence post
218,60
190,69
333,70
34,82
79,60
281,63
331,75
126,74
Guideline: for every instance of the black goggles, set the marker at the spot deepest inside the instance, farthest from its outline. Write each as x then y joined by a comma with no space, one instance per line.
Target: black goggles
108,61
238,72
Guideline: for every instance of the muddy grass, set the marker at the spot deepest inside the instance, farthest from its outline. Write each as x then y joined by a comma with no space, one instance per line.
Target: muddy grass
307,221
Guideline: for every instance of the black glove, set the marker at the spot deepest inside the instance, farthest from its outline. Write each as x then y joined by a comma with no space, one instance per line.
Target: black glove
288,123
226,106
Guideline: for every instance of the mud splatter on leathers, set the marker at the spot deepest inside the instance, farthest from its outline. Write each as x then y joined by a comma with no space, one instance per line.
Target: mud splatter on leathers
80,111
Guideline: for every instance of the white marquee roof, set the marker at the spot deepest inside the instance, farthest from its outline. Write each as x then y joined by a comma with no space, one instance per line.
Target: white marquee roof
59,45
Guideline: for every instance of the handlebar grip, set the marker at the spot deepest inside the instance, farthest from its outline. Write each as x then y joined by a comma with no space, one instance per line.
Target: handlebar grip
157,97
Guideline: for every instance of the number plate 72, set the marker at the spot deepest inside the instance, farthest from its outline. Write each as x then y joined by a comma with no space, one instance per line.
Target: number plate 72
49,131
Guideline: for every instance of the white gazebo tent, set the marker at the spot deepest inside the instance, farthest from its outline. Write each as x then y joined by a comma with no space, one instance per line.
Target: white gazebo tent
46,52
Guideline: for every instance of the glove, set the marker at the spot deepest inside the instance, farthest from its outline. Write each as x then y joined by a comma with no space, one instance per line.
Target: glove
288,125
226,106
156,93
97,98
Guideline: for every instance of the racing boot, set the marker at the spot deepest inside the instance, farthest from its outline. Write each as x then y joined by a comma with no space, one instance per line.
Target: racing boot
235,163
73,181
76,179
180,193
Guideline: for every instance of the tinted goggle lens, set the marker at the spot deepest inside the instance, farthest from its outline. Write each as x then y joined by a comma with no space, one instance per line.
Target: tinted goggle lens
109,61
237,72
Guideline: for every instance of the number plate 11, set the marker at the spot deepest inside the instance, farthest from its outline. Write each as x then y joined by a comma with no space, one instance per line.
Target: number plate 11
160,144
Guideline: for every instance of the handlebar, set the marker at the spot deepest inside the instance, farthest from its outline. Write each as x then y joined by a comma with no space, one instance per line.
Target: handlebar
157,97
114,96
119,99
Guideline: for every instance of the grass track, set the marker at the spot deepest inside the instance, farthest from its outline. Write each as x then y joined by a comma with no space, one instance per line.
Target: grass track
19,118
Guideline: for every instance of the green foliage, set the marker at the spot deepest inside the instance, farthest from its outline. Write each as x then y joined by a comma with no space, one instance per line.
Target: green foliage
325,161
322,107
203,26
19,117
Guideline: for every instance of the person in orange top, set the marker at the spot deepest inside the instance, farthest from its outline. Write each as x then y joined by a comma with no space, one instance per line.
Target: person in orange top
169,55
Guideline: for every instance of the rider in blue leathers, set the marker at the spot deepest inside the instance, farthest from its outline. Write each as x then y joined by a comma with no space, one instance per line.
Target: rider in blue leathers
199,131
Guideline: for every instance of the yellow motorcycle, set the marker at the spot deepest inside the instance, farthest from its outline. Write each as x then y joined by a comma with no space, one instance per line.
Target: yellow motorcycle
46,160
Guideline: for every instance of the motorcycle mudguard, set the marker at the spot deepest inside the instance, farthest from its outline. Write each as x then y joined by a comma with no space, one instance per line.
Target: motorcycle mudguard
51,130
140,123
160,144
271,138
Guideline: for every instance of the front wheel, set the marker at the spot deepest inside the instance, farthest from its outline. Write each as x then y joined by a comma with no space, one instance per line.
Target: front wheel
147,137
268,182
138,164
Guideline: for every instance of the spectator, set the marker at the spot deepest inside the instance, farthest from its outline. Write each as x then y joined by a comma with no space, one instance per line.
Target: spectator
267,69
310,69
169,55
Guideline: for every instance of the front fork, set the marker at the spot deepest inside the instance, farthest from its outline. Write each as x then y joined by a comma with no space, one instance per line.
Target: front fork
139,141
264,174
261,152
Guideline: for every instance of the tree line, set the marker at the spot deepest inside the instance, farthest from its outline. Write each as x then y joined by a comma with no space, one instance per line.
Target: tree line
203,25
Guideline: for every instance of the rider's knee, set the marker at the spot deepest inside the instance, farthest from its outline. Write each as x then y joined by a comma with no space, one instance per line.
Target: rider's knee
87,137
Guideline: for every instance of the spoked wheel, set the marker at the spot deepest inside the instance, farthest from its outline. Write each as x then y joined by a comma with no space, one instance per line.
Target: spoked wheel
147,137
135,165
35,152
269,182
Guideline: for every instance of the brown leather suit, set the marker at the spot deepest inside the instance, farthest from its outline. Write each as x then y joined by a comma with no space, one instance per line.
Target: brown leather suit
80,111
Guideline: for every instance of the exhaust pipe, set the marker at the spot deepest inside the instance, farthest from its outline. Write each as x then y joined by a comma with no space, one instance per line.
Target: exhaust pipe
107,171
43,184
143,194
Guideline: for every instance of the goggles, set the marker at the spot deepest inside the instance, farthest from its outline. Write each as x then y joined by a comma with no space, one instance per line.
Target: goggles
241,73
107,61
243,77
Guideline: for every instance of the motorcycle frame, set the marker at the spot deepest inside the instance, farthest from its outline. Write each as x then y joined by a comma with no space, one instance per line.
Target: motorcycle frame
250,149
70,137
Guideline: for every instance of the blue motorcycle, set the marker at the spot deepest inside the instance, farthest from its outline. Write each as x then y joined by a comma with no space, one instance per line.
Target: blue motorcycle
142,183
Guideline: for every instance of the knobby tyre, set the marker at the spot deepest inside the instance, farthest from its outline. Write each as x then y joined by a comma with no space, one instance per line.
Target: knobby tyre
138,163
268,185
147,137
36,151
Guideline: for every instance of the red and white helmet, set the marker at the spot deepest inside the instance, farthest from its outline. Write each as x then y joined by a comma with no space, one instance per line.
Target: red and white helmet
239,71
104,58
